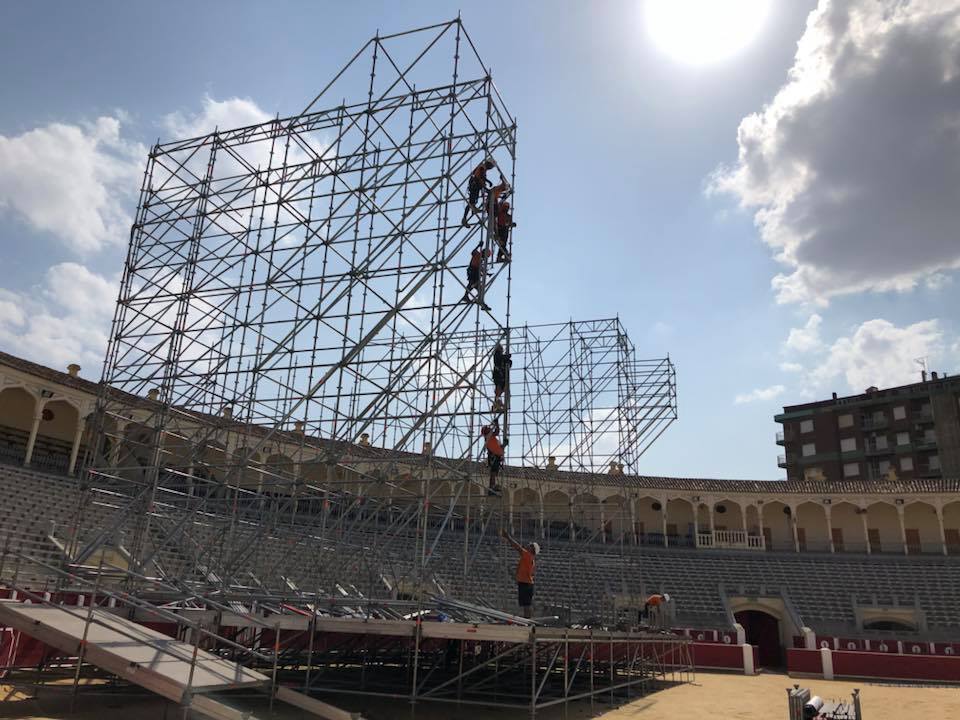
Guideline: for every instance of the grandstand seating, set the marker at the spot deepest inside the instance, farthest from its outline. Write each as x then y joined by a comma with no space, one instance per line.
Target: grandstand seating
823,589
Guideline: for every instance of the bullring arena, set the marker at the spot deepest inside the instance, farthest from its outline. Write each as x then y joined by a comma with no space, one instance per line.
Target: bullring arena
275,501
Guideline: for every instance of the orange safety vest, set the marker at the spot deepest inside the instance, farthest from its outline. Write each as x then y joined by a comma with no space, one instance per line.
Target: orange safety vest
525,567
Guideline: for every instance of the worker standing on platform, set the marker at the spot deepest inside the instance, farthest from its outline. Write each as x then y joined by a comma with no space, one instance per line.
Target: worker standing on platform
477,182
501,369
473,276
525,569
655,610
504,224
494,454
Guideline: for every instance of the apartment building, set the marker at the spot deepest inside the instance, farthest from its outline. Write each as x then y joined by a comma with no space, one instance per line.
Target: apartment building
910,432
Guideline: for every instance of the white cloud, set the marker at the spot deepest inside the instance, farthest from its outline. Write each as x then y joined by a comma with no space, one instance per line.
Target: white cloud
65,320
807,338
882,354
759,394
853,167
791,367
222,114
76,182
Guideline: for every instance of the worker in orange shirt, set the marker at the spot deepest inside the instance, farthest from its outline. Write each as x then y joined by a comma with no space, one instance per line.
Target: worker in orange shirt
473,276
504,224
525,570
654,610
477,182
494,454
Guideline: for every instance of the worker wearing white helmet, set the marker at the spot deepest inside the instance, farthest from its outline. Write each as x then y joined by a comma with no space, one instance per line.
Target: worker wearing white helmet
525,571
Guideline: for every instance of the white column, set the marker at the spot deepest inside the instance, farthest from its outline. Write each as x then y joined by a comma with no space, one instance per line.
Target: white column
746,532
117,442
903,530
866,533
663,514
793,528
32,440
763,537
543,532
696,524
633,521
943,536
603,525
828,510
81,424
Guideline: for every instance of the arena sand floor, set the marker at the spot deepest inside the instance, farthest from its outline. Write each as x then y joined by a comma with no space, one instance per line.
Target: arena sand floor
762,697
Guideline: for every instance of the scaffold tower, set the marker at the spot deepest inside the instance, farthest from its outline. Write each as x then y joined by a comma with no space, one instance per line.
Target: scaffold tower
297,354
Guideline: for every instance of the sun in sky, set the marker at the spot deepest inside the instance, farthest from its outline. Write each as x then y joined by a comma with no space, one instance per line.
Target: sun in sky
700,32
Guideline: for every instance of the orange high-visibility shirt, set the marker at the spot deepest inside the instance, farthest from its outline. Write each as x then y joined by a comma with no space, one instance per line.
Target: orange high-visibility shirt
493,444
525,567
654,600
480,172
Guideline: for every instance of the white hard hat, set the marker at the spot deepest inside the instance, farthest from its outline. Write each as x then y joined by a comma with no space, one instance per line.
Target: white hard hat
536,548
666,598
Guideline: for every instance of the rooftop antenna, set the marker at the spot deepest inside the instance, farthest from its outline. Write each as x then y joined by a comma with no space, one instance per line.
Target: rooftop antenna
922,362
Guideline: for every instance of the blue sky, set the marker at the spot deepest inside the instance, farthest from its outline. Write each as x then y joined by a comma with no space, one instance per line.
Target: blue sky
619,146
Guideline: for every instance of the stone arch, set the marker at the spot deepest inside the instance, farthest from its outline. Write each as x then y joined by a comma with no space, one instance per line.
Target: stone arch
727,515
616,517
586,514
847,523
679,522
526,513
17,409
883,527
921,528
812,533
703,516
556,510
648,526
777,525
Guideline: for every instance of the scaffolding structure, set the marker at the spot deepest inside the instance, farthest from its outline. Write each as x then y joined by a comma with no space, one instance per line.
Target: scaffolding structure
297,375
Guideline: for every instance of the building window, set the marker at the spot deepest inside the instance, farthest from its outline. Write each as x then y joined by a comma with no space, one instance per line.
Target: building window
900,413
884,467
813,474
906,464
903,438
809,449
929,436
934,462
806,426
848,445
880,442
851,469
845,421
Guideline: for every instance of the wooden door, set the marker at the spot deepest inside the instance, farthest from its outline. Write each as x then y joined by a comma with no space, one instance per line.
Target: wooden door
913,541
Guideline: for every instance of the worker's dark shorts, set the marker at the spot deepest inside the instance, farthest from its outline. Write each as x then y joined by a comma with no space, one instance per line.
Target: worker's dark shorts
503,233
499,378
524,594
473,189
494,462
473,275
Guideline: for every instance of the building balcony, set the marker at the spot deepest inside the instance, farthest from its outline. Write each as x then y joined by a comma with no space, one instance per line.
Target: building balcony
872,449
923,416
786,460
925,443
785,436
730,539
870,423
926,471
